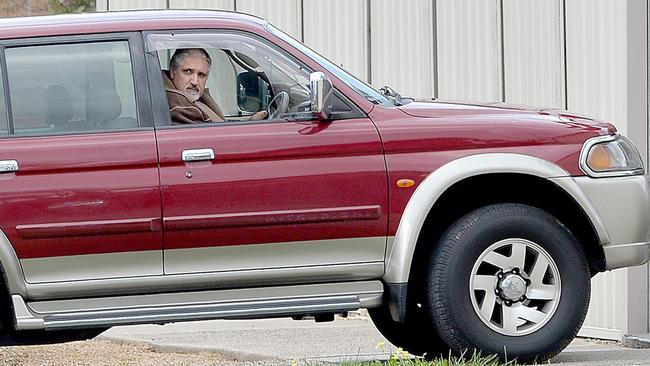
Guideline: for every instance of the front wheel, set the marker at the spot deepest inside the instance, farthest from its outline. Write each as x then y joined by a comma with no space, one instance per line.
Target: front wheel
510,280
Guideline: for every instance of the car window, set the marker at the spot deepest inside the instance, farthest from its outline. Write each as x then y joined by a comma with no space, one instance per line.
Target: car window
71,88
245,75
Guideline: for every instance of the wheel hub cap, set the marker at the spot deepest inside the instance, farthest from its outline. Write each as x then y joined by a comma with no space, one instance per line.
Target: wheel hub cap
515,287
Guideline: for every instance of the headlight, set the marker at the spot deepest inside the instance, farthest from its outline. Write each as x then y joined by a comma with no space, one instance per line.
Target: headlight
609,156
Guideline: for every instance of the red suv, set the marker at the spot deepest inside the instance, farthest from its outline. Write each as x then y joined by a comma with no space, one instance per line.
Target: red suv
289,188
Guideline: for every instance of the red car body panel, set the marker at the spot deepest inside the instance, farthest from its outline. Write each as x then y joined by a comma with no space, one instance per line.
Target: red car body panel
273,182
417,146
81,194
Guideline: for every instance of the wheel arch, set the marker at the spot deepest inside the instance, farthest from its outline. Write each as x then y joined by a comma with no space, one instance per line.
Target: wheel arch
474,181
12,271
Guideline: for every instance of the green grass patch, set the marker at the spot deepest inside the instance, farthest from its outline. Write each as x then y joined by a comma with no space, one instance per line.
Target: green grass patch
405,360
402,358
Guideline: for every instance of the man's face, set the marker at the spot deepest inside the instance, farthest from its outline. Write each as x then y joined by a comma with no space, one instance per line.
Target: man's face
191,75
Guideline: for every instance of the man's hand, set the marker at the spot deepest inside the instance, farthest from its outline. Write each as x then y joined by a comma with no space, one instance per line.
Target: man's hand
259,115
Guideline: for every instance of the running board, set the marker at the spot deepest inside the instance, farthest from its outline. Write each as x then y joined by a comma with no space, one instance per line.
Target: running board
261,302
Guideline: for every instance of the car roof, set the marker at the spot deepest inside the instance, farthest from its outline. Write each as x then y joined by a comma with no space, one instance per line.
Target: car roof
123,21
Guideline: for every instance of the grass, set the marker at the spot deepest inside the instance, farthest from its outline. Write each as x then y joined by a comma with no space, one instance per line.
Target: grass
406,360
402,358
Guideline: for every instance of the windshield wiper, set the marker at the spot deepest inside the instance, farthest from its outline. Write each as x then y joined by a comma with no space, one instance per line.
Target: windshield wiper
397,99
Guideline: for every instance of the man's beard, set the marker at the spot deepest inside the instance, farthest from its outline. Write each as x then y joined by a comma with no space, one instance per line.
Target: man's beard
192,94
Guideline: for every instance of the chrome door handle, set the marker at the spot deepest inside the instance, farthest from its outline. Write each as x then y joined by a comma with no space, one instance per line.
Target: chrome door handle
8,166
198,155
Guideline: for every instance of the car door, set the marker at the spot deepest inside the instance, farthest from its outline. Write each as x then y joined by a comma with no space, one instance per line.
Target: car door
297,200
79,192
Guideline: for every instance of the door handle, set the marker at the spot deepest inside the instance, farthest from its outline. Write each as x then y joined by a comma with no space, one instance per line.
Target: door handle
8,166
198,155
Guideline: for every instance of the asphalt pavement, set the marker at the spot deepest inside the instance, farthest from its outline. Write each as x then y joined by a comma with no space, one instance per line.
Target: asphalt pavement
354,338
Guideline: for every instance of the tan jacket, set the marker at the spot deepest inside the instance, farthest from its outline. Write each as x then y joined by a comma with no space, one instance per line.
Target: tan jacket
184,111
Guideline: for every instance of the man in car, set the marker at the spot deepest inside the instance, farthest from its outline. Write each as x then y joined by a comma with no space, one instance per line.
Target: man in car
189,100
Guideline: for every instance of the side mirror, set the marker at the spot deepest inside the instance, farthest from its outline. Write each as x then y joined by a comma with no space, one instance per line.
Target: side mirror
252,92
321,94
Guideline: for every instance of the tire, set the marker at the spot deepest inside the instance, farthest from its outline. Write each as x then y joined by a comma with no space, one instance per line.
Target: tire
509,280
416,336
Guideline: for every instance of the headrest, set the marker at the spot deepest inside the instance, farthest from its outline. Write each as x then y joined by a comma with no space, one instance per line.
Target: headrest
57,105
102,105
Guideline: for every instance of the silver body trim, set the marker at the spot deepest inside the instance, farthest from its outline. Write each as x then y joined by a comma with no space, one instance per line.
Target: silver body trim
239,303
623,203
275,255
13,270
398,261
92,266
205,281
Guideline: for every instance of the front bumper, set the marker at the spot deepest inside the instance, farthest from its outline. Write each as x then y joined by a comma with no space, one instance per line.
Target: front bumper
623,206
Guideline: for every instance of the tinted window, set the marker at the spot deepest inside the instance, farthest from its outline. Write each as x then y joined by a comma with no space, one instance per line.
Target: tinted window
71,88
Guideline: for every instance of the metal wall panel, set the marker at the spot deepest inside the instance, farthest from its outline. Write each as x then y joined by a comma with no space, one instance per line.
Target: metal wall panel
469,50
607,311
202,4
533,38
596,57
284,14
102,5
402,46
136,4
338,29
596,40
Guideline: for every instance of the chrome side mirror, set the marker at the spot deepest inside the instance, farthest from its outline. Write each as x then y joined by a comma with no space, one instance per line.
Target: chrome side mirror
321,94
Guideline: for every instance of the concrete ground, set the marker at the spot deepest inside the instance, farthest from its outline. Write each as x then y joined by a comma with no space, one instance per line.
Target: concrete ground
276,341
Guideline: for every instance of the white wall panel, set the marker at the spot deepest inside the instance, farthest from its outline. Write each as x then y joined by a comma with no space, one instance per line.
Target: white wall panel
607,312
102,5
402,42
136,4
202,4
469,50
338,29
597,59
534,52
284,14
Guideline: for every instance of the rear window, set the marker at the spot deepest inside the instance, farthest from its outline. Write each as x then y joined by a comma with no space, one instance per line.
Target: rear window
68,88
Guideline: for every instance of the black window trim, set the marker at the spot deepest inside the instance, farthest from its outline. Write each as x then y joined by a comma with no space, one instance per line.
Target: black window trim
140,79
159,99
6,101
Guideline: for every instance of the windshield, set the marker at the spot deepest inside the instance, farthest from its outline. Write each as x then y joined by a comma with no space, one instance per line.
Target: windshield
359,86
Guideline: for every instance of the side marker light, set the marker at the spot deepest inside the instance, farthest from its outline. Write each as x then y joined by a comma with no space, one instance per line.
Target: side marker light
405,183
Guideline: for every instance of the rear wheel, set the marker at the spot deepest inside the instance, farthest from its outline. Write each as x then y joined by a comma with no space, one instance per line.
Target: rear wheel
511,280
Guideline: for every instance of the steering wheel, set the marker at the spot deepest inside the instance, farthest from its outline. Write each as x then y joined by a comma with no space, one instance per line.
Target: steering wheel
278,105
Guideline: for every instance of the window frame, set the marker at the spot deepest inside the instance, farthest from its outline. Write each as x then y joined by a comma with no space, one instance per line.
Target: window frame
140,79
159,97
5,102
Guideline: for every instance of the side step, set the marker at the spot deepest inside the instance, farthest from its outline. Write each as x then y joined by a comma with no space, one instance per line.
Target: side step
260,302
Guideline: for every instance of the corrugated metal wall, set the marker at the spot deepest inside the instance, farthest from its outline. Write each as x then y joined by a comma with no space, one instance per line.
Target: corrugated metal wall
403,47
533,39
517,51
339,30
285,14
469,50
